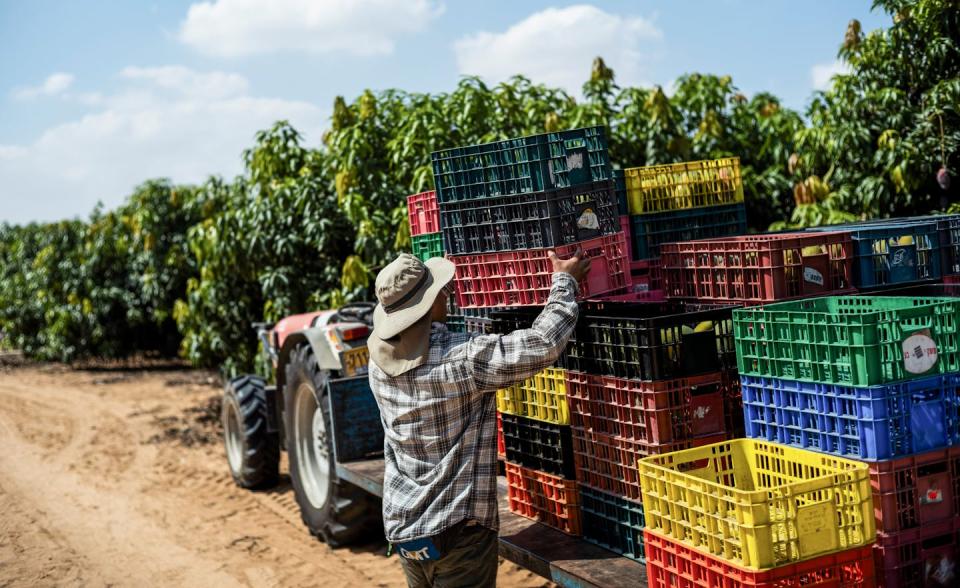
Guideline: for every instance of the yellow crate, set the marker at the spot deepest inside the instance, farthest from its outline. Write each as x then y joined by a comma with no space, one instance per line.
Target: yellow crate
758,504
678,186
542,397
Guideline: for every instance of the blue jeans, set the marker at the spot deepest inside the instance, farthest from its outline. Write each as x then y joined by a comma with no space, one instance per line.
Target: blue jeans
469,560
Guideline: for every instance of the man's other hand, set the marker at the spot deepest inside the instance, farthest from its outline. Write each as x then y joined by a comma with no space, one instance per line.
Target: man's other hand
575,266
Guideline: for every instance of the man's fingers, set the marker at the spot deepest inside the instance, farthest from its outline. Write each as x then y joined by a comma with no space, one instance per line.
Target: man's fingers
551,256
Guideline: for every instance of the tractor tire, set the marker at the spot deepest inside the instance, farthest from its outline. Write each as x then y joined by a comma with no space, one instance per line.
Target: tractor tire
334,510
253,453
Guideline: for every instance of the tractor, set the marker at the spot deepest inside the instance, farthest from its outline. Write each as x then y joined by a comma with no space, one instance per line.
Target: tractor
320,411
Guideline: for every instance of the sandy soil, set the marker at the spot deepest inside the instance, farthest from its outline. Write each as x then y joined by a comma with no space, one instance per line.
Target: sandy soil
116,477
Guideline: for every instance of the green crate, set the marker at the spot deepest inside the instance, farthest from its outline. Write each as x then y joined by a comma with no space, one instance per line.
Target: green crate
851,340
427,245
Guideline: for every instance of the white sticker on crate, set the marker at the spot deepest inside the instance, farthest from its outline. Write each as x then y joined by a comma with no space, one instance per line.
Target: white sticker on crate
919,352
575,161
813,276
588,220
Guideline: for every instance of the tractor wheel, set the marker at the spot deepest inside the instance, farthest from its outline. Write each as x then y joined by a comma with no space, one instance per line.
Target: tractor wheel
253,453
334,510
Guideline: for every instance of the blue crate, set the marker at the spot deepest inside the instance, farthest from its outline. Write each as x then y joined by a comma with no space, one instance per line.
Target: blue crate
357,430
649,231
894,252
871,423
620,188
612,522
522,165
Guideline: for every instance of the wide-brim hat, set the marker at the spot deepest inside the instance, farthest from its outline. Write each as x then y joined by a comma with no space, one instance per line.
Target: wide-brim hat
406,290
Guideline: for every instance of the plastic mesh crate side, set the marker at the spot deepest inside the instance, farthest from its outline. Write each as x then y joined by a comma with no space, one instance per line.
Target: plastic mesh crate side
423,213
879,422
620,187
625,229
648,232
427,245
524,278
684,185
919,558
544,498
758,268
456,324
501,444
672,564
538,445
541,397
916,490
948,228
612,522
849,340
652,341
525,164
896,254
758,504
529,221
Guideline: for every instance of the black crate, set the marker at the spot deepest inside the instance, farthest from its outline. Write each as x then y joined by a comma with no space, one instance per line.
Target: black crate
652,341
530,221
539,445
620,188
612,522
479,325
508,320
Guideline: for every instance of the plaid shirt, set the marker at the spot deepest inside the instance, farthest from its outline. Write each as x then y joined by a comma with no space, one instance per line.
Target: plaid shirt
440,419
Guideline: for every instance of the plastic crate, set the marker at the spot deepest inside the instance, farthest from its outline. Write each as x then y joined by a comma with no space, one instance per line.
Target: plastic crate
758,504
649,231
537,445
652,413
625,229
519,166
916,490
427,246
849,340
758,268
925,557
620,187
541,397
652,341
645,275
548,499
948,228
733,406
423,213
641,296
671,564
609,463
456,323
501,444
894,252
612,522
879,422
529,221
524,278
676,186
479,325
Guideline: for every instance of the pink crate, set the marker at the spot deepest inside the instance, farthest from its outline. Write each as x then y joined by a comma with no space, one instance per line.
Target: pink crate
523,278
423,213
625,229
758,268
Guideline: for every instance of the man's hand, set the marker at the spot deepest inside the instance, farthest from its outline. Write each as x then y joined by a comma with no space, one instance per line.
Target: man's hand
575,266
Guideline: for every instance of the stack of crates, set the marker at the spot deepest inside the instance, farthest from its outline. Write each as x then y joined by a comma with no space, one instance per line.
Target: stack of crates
874,379
426,240
642,379
678,202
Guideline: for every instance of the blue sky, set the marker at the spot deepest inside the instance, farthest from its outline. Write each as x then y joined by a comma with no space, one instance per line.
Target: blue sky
97,96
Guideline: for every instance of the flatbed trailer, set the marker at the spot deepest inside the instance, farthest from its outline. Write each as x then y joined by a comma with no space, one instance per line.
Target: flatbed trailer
568,561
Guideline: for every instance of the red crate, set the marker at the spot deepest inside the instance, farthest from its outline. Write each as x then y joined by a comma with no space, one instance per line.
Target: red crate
548,499
733,406
672,564
646,275
916,490
641,296
523,278
652,413
758,268
951,279
625,229
925,557
609,463
423,213
501,444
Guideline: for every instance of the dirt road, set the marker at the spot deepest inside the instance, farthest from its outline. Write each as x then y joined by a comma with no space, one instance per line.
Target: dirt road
115,477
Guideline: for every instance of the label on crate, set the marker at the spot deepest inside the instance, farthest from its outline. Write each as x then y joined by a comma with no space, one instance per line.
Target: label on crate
932,496
813,276
919,352
816,528
588,220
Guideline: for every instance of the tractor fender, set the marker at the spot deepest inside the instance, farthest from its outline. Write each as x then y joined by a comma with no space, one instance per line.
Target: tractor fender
316,338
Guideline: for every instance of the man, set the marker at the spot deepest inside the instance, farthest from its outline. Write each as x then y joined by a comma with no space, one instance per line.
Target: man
436,392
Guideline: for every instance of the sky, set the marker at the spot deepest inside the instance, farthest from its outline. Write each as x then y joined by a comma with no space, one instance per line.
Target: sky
98,96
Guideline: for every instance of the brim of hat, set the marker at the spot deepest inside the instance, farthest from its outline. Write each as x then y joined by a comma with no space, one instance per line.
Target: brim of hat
387,326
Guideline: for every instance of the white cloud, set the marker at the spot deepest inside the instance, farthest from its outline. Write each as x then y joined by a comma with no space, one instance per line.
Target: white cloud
557,46
165,122
232,28
822,73
53,85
